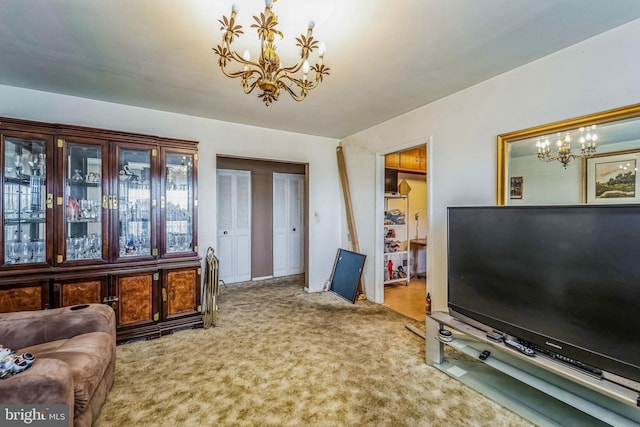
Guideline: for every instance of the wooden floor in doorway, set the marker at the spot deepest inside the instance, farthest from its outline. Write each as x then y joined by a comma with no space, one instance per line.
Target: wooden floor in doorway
407,300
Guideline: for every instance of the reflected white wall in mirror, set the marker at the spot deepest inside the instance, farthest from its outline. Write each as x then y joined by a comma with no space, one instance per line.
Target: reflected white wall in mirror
525,179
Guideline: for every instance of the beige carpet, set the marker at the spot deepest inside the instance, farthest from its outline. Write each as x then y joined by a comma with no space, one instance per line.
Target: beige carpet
283,357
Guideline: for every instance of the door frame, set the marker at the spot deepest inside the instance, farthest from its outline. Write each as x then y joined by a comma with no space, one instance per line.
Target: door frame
237,162
378,274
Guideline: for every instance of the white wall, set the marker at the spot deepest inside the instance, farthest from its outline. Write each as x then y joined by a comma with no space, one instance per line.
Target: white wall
595,75
546,183
215,138
417,204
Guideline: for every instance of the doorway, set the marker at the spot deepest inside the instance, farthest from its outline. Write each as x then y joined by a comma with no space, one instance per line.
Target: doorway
408,298
272,186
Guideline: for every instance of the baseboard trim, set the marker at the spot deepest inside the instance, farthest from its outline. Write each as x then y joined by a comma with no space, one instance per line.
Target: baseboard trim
262,278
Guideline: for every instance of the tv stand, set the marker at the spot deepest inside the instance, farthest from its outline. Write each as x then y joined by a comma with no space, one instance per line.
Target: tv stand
540,389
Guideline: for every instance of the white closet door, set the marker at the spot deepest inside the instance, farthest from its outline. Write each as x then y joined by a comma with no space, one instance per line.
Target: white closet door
288,224
242,229
280,225
234,225
296,224
225,247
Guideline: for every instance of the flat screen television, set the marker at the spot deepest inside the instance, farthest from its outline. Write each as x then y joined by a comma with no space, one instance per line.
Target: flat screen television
390,180
564,280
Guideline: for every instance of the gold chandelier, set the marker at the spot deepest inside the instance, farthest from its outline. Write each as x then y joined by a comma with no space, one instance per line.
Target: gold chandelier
564,154
267,73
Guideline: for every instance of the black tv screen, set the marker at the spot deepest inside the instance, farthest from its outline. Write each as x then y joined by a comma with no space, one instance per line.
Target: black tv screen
565,279
390,180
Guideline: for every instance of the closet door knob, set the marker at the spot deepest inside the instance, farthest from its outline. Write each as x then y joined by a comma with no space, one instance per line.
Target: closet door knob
225,232
294,229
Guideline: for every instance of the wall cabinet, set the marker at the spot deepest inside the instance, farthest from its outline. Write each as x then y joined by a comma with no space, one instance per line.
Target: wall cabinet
92,215
413,160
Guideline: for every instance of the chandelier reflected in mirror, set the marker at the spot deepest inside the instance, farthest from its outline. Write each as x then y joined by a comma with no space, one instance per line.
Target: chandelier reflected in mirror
267,73
586,138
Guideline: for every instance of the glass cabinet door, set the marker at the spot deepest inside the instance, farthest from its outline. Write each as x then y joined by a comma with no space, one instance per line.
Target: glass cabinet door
178,202
83,202
24,200
134,201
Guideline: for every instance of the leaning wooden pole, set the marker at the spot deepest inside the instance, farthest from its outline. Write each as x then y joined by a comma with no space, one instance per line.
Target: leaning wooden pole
351,223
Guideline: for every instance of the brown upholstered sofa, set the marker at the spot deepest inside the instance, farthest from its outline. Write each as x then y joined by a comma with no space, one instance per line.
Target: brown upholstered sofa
75,350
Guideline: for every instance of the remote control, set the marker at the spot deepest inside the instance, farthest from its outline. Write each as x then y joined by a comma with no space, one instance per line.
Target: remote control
484,355
522,349
495,336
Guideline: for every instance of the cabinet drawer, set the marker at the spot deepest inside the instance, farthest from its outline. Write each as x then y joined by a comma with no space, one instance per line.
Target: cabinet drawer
81,292
24,297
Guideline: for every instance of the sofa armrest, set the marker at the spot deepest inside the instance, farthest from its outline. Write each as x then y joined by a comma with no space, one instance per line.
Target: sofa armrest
47,381
27,328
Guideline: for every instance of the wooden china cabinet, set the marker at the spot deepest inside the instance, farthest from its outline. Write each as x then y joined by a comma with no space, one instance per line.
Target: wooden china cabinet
100,216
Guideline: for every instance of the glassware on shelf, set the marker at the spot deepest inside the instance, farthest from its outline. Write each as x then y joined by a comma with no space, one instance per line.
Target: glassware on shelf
77,176
22,252
13,252
84,247
179,208
72,209
83,202
39,251
18,164
26,252
36,163
134,204
24,198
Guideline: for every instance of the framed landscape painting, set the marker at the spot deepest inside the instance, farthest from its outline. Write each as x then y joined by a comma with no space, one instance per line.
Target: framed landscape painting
612,178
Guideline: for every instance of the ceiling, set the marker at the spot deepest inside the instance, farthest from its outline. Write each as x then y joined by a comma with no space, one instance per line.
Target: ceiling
386,58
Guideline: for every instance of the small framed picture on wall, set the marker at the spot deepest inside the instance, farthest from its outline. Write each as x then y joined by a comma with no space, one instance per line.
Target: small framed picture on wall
515,189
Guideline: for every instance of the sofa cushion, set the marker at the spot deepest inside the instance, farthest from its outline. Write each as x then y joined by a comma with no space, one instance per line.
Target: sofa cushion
27,328
87,356
47,381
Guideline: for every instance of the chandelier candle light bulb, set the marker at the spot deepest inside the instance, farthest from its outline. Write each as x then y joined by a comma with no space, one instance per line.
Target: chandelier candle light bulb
267,73
564,154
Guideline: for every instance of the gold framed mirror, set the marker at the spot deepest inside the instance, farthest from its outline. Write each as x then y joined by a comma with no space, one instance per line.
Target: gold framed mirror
591,159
